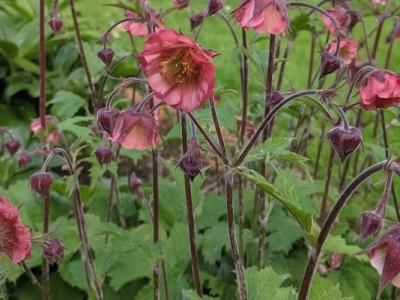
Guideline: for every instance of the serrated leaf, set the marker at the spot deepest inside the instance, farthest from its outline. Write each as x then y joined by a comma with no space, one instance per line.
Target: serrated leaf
324,289
66,104
214,240
80,131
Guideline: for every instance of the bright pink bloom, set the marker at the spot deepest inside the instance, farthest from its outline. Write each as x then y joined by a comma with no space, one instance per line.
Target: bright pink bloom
180,72
342,16
136,28
384,256
347,49
15,237
135,130
264,16
380,90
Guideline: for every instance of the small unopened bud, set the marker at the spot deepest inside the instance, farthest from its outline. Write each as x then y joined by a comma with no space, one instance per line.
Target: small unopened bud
53,250
106,118
276,98
104,155
41,182
197,19
24,160
329,64
370,223
181,4
345,141
336,261
135,183
190,162
353,18
214,6
56,24
12,146
106,55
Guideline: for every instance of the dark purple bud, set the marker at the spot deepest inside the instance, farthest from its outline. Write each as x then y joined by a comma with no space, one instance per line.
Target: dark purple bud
190,162
24,160
135,183
353,19
53,250
344,141
106,55
329,64
12,146
197,19
181,4
370,223
104,155
276,98
106,118
41,182
56,24
214,6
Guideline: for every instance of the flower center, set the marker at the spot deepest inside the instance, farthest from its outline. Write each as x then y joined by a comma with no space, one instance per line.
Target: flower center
179,67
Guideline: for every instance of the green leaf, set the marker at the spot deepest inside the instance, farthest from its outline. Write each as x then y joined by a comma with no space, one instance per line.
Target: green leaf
82,132
66,104
338,244
192,295
323,289
214,240
125,67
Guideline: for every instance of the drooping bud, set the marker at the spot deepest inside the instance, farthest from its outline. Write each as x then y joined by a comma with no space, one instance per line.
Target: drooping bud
53,250
329,64
135,183
106,118
336,261
214,6
197,19
56,24
24,160
370,223
106,55
344,141
41,182
104,155
276,98
190,162
12,146
181,4
353,18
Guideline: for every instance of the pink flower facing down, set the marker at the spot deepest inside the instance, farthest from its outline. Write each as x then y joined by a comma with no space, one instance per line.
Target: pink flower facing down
347,49
136,28
380,90
135,130
180,72
384,256
15,237
343,17
53,134
264,16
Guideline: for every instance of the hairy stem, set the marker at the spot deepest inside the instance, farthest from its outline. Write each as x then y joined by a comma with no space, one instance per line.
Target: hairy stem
45,262
219,132
245,87
42,66
324,203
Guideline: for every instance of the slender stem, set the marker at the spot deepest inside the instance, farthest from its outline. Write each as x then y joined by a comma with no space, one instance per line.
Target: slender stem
84,63
42,66
361,19
344,173
377,37
229,177
107,33
324,203
30,275
245,87
189,216
241,214
320,146
246,149
389,53
328,224
45,262
283,66
268,81
219,132
311,63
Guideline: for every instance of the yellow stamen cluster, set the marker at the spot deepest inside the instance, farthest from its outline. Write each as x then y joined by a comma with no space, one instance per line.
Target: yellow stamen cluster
179,67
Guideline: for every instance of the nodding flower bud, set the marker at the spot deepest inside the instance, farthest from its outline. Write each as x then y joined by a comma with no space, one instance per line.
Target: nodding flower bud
329,64
56,24
197,19
344,141
190,162
41,182
24,160
135,183
106,118
104,155
53,250
214,6
353,18
181,4
12,146
275,98
106,55
370,223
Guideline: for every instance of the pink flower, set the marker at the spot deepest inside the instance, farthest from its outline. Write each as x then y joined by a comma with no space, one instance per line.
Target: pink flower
381,2
136,28
384,256
181,4
347,49
380,90
180,72
53,134
264,16
343,17
135,130
15,237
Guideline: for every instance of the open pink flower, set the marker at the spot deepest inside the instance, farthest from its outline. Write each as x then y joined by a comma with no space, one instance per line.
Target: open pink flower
135,130
344,18
384,256
380,90
15,237
347,49
136,28
180,72
264,16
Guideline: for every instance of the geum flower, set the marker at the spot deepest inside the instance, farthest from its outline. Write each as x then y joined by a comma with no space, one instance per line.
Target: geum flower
137,28
347,49
384,256
345,20
53,133
179,71
264,16
135,130
15,237
381,89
